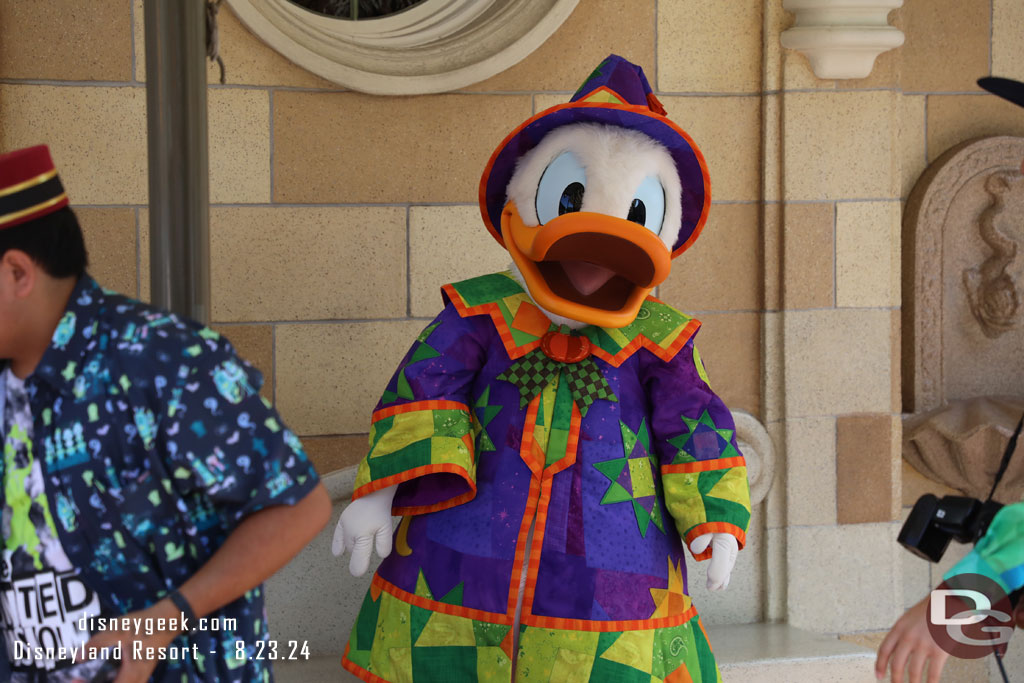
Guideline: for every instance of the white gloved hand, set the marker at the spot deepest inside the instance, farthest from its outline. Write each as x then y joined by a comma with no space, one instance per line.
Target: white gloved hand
724,548
364,521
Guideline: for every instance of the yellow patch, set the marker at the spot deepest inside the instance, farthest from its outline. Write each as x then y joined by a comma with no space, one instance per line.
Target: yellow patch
572,667
684,501
446,629
733,486
602,95
406,428
632,648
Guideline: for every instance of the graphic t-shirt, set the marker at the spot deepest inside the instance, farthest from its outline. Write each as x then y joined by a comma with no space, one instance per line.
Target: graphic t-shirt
41,596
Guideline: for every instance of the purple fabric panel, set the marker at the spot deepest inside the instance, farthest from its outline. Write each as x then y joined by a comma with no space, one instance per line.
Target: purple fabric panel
485,580
624,77
429,490
401,570
462,343
616,553
676,389
558,513
626,596
565,586
576,542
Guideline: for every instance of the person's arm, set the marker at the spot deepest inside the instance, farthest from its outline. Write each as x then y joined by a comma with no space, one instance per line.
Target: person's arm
910,641
225,446
999,555
703,473
260,545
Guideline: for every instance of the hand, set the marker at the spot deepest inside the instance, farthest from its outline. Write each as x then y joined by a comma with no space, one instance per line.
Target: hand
363,521
138,669
724,548
909,639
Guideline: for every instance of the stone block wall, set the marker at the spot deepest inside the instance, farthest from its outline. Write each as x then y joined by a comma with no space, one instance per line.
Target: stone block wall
336,215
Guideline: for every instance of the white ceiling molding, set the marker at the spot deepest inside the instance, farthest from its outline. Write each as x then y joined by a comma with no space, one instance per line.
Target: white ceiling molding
841,38
435,46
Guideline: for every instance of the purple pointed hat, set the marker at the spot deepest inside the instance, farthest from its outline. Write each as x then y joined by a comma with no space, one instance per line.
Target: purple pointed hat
616,93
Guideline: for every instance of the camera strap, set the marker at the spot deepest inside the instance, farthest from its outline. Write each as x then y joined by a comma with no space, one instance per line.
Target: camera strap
1010,448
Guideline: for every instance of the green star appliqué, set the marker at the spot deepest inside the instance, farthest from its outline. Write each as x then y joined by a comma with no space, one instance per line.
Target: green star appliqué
700,428
482,415
422,351
632,478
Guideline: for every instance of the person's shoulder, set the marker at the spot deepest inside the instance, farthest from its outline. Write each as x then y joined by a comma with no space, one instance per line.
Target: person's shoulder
143,334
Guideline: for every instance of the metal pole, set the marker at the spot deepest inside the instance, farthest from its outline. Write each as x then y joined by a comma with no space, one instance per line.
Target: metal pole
179,193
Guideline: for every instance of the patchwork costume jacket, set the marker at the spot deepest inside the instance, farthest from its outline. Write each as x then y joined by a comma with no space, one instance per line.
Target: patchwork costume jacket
610,439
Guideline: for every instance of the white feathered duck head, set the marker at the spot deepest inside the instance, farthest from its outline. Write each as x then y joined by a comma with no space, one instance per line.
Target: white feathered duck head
595,197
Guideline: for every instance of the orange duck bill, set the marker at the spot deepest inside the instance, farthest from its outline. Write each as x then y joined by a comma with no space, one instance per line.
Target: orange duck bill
590,267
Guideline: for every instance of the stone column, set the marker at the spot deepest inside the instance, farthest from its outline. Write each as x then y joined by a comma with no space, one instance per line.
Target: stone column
832,226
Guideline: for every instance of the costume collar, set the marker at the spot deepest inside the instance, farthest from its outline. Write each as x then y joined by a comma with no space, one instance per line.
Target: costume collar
658,327
74,336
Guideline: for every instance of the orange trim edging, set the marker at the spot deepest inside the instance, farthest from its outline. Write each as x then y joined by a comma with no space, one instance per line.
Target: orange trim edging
615,360
704,465
357,670
641,341
714,528
417,406
605,626
533,498
423,470
491,308
442,607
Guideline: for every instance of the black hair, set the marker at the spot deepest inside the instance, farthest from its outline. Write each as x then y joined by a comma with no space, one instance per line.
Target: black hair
54,241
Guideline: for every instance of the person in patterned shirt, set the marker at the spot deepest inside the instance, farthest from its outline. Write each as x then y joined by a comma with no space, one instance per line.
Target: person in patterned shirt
143,475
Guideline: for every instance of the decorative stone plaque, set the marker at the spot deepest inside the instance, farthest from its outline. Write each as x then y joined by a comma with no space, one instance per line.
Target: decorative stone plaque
963,269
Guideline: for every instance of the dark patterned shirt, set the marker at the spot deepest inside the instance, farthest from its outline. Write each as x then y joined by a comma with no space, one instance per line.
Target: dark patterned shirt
155,444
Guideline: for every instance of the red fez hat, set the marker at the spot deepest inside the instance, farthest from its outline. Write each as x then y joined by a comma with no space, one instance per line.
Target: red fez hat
29,186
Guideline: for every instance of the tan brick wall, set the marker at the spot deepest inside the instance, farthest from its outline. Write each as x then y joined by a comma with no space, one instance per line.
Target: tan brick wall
349,211
336,215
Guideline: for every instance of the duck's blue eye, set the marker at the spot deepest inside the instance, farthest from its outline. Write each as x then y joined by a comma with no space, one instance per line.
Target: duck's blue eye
561,188
572,199
648,205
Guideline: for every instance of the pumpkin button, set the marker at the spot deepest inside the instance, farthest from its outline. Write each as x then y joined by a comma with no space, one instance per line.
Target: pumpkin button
565,348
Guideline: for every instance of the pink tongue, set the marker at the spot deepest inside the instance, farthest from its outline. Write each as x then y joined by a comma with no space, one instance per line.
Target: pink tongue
586,277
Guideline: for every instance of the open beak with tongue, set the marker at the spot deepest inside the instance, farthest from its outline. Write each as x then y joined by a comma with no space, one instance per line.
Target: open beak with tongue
590,267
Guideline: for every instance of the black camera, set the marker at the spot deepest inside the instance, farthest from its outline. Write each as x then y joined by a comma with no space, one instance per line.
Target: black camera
934,522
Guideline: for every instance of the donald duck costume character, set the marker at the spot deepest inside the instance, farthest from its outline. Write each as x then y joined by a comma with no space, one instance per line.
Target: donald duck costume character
551,439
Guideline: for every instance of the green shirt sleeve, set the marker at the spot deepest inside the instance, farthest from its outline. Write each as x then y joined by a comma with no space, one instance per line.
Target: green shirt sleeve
999,554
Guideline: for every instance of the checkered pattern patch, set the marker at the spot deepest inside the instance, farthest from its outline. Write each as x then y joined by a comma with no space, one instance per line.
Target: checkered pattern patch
588,384
534,371
530,374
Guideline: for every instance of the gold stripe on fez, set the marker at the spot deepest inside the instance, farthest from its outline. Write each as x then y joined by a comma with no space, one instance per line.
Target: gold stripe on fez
31,182
15,215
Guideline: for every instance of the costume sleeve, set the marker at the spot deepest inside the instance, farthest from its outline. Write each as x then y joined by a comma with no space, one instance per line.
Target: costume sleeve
218,436
703,473
999,554
421,435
